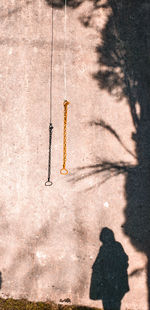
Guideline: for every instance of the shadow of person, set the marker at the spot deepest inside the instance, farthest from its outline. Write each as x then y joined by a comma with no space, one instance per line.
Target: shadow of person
109,281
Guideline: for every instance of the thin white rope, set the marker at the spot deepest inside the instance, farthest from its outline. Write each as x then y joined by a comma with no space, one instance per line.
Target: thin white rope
65,54
51,61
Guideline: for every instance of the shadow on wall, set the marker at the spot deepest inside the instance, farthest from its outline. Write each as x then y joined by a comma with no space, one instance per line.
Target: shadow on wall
60,3
15,10
124,59
0,280
109,281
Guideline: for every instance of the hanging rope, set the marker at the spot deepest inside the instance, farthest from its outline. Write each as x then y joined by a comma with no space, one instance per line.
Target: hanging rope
64,170
65,54
48,182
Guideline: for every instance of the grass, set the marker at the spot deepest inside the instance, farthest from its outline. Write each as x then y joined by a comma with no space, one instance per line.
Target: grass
23,304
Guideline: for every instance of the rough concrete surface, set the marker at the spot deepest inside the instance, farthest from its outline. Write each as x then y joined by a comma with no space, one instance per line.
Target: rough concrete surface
49,236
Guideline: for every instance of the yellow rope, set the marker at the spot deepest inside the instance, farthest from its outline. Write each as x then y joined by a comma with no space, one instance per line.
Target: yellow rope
64,170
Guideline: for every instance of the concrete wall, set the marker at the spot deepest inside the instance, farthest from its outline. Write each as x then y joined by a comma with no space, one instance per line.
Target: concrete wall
49,236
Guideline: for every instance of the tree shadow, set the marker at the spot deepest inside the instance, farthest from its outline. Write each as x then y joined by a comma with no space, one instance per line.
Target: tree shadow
59,4
124,59
109,281
124,55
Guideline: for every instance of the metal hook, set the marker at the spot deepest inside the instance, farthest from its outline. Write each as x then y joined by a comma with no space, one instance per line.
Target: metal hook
48,183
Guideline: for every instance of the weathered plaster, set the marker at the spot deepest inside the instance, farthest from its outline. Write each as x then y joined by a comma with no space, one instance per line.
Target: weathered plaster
49,236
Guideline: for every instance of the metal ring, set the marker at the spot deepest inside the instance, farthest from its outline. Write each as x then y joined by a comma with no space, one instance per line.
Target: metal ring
48,183
64,171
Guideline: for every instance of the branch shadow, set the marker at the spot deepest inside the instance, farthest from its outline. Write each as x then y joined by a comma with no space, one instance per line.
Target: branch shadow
59,4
